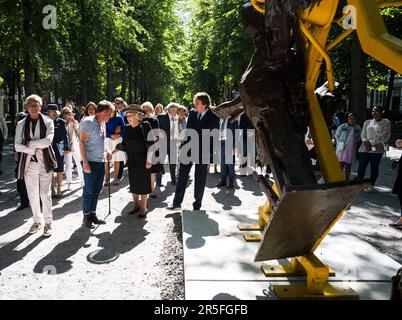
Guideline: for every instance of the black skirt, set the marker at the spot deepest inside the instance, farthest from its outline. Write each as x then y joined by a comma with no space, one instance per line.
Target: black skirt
139,175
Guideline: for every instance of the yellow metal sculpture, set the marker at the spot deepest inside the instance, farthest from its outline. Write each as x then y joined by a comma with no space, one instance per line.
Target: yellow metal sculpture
364,18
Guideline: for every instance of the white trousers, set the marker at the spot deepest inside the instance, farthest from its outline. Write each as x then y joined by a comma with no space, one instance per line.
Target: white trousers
68,159
38,184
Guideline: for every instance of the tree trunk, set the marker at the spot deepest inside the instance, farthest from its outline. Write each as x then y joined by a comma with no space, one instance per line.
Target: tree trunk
29,70
130,79
11,84
136,77
83,54
123,81
358,81
108,78
20,106
387,105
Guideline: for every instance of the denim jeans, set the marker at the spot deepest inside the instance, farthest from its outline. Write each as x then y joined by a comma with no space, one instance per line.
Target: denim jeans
93,183
364,159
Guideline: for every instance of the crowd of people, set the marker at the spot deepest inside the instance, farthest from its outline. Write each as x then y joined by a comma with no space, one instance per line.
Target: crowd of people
51,144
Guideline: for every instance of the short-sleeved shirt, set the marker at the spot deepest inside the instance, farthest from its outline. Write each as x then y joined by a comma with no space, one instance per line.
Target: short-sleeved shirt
95,145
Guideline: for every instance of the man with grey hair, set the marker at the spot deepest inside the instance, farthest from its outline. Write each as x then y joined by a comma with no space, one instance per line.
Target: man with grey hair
93,153
33,139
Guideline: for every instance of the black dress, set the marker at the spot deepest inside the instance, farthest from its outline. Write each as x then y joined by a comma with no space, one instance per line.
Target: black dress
60,142
135,145
154,122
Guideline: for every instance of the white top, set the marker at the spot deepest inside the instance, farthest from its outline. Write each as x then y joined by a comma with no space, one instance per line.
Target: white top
3,127
223,129
377,133
174,127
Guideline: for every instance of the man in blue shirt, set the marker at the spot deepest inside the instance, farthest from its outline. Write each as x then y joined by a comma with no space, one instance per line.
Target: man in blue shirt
93,152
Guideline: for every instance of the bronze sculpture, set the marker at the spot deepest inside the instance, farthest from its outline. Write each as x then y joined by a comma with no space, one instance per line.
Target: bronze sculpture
272,91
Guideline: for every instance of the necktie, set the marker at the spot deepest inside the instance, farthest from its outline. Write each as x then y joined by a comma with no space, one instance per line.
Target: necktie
199,116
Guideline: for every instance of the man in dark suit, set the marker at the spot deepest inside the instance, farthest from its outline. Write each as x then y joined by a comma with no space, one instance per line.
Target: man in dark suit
199,119
169,123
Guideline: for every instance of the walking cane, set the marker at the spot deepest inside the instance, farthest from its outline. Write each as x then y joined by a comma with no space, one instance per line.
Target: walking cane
108,187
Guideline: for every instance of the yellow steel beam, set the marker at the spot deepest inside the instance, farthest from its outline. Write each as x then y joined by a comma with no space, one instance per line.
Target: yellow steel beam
249,227
321,15
329,163
374,37
257,6
317,273
251,237
338,39
324,54
293,292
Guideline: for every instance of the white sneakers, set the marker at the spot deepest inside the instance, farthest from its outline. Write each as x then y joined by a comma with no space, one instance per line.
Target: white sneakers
34,228
47,232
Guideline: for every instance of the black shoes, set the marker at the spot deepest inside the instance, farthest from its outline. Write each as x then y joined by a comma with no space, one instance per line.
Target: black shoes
95,219
221,184
88,221
91,218
174,208
230,186
22,207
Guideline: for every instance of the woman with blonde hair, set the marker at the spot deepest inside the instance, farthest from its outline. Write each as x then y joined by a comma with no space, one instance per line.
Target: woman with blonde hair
90,110
73,150
158,109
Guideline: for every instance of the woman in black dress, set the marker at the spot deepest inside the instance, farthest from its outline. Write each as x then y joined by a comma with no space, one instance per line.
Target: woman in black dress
398,187
136,146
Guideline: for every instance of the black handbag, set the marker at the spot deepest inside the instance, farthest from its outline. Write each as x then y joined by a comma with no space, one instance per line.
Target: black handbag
396,291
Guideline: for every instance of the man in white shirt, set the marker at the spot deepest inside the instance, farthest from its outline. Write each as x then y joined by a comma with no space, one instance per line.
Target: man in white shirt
169,123
33,139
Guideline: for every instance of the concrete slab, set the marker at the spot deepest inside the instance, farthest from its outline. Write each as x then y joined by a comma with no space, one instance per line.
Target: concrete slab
217,258
257,290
